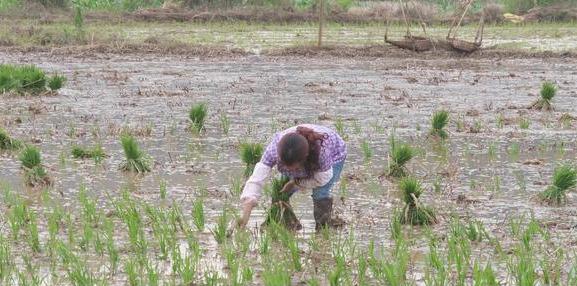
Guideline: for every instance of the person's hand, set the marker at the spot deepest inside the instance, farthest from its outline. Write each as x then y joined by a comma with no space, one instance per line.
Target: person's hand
246,209
289,186
242,221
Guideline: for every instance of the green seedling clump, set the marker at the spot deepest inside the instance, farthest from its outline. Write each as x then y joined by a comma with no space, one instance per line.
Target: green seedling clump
56,82
564,178
35,175
197,116
96,153
414,212
400,154
7,143
439,121
281,211
27,79
136,160
250,154
548,91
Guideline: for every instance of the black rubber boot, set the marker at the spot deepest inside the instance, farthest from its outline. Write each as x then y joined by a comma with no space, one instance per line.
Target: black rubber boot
323,213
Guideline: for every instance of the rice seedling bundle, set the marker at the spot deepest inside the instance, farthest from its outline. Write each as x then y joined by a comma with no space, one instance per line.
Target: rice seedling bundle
136,160
414,212
250,154
281,211
564,179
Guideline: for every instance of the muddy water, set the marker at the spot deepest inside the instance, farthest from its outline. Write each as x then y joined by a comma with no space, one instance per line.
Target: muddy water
477,173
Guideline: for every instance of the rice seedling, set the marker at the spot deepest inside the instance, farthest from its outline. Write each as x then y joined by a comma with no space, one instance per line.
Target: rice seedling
367,151
396,225
392,270
198,214
224,123
399,156
152,275
492,152
460,124
438,122
175,218
521,181
188,270
197,116
522,267
564,179
132,272
459,253
548,91
162,188
136,160
551,266
291,243
242,240
247,275
6,260
362,265
436,274
33,236
281,211
340,127
7,142
275,274
484,276
236,185
113,253
211,278
56,82
335,276
97,153
264,243
414,212
500,121
220,230
524,123
514,150
250,154
475,231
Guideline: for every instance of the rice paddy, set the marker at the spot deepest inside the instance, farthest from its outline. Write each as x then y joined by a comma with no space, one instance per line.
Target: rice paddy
451,179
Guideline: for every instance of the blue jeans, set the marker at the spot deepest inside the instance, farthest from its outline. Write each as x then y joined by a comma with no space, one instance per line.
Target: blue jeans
324,192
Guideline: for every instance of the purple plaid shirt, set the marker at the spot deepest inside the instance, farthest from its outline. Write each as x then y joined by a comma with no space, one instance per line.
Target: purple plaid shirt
333,151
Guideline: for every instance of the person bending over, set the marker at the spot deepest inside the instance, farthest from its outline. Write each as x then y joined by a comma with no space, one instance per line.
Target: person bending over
312,157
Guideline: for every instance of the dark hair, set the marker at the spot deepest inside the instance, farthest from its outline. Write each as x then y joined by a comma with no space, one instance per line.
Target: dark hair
304,145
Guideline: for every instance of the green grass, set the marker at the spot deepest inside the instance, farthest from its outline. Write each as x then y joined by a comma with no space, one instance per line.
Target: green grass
135,159
564,179
27,79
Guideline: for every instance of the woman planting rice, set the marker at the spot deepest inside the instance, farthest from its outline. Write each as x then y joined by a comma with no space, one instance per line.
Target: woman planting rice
311,157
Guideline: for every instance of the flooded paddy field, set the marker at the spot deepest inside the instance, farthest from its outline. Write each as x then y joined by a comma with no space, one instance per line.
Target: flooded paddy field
99,225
